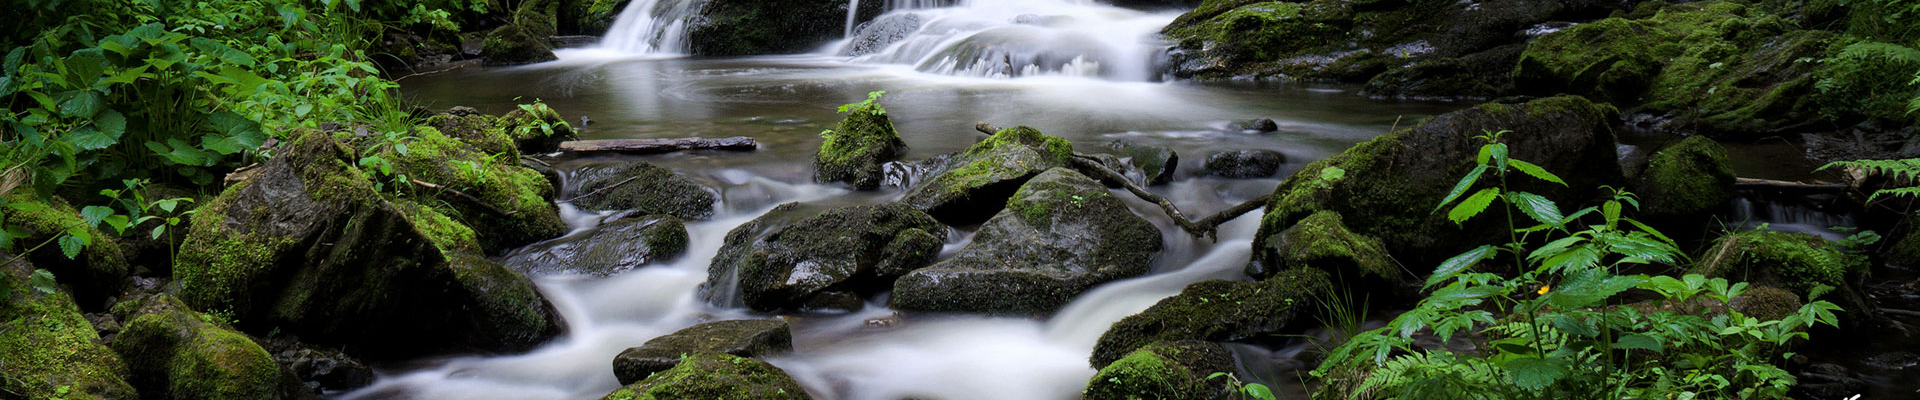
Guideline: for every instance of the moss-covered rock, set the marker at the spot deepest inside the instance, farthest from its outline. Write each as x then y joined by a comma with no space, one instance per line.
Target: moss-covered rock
476,129
507,205
1060,235
1796,262
1767,303
176,353
1167,371
743,338
786,258
976,183
101,266
1392,183
611,248
536,129
641,187
307,247
515,45
855,149
1217,311
702,376
749,27
48,349
1322,241
1688,180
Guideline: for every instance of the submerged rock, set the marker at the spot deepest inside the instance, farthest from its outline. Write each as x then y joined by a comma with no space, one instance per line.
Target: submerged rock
1388,187
706,375
307,247
176,353
644,188
1245,163
743,338
976,183
1217,311
855,149
874,37
1179,370
792,255
48,345
1060,235
1258,125
611,248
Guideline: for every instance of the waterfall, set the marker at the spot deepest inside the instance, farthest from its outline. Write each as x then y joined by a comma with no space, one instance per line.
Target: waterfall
1011,38
651,27
853,16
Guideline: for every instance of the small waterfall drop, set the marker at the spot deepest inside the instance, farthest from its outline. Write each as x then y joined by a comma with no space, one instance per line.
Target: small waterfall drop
652,27
1011,38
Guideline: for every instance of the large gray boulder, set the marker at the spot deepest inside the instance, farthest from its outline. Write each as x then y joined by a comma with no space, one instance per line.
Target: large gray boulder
796,255
1218,311
1060,235
975,184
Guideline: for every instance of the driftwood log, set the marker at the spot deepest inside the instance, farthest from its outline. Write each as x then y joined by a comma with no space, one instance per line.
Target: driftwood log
1788,186
1201,228
659,146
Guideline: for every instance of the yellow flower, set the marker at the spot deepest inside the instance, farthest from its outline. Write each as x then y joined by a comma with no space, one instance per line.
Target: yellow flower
1544,289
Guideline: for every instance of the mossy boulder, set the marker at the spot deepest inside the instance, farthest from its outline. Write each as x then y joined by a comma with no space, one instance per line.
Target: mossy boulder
1391,184
1767,303
976,183
1218,311
1060,235
536,129
1155,163
1689,181
507,205
854,150
1796,262
613,247
307,247
706,375
742,338
176,353
589,17
749,27
1322,241
48,349
101,266
787,258
1165,370
515,44
476,129
1720,67
643,188
1245,163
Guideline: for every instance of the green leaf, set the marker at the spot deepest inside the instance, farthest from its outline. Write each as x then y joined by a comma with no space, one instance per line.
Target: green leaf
224,52
1332,174
70,246
1576,326
1458,263
42,280
90,138
159,230
1472,206
221,144
1461,187
111,123
1259,391
1589,287
81,103
1536,171
119,223
1534,373
1639,342
95,214
244,131
1537,207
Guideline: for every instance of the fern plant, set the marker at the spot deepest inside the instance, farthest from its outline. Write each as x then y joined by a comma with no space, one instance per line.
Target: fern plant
1902,172
1554,329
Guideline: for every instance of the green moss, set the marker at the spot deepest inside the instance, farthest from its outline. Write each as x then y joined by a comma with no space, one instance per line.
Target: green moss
535,128
854,150
1217,311
478,130
511,303
1164,371
706,375
1692,177
216,266
1323,241
668,237
517,202
174,352
448,235
48,345
101,265
1793,261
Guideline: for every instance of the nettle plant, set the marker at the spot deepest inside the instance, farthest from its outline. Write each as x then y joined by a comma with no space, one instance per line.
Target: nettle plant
1557,327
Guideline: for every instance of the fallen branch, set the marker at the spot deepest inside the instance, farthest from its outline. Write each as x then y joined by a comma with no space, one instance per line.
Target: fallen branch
1788,186
659,146
462,195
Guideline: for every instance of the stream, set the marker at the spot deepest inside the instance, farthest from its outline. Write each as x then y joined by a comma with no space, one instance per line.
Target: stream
1075,69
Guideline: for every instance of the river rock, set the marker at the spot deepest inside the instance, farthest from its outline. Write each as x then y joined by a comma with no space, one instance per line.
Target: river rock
744,338
176,353
1157,163
795,254
1258,125
749,27
478,130
707,375
1322,241
48,344
1245,163
515,45
611,248
507,205
1689,180
881,33
1217,311
644,188
855,149
1060,235
1389,186
1796,262
1166,370
307,247
101,266
976,183
321,370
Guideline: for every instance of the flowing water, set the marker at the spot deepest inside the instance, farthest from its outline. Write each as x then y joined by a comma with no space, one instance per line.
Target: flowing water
1071,68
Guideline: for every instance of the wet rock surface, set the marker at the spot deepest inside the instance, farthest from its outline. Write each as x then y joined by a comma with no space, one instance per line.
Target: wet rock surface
797,253
612,247
743,338
1245,163
643,188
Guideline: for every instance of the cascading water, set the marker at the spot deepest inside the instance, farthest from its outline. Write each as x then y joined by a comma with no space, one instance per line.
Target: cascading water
651,27
1012,38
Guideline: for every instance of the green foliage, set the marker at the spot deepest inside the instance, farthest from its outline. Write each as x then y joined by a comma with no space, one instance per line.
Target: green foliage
43,281
1873,79
1554,328
1243,390
872,102
1902,171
